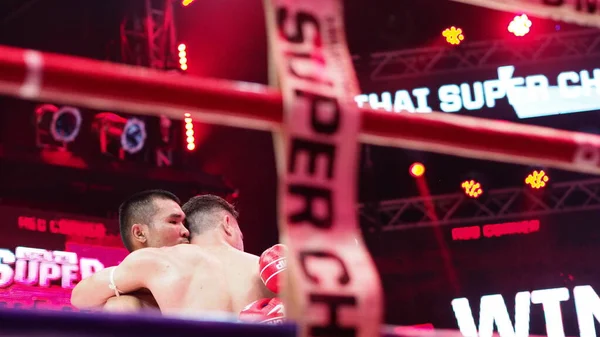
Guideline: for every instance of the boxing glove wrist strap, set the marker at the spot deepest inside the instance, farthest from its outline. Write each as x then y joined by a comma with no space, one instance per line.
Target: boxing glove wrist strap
112,285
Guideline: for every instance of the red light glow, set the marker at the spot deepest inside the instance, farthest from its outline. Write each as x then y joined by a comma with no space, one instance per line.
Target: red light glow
466,233
511,228
495,230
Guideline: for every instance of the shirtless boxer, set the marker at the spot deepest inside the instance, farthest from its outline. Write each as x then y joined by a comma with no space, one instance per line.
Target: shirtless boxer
150,218
212,274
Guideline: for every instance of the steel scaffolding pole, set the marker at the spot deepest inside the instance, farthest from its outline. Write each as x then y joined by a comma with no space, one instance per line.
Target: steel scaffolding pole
148,36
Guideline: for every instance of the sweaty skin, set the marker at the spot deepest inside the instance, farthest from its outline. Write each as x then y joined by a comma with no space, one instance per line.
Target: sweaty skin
184,279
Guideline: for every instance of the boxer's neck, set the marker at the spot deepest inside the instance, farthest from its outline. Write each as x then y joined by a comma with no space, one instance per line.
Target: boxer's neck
212,238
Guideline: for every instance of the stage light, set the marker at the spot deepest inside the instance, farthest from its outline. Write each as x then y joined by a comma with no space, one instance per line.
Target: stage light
56,126
417,170
453,35
119,134
189,132
186,2
134,135
165,129
472,188
537,179
520,25
182,57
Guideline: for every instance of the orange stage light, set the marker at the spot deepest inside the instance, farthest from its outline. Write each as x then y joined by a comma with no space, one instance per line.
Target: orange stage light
453,35
472,188
183,57
417,170
189,127
537,179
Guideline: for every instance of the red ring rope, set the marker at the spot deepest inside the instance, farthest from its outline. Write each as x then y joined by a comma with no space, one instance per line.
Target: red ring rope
103,85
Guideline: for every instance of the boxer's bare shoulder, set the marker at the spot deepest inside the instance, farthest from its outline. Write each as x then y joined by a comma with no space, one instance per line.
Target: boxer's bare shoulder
184,254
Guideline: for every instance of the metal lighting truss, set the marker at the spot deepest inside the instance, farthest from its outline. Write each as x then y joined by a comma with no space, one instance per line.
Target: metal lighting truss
420,62
495,205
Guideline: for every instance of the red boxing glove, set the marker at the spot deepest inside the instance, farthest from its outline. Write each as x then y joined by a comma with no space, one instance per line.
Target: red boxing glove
271,263
267,310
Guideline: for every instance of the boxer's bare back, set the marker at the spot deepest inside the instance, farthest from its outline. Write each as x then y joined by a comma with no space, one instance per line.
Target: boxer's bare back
224,279
184,279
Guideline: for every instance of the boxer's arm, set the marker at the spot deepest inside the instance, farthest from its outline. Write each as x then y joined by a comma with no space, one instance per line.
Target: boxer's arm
135,272
133,302
124,303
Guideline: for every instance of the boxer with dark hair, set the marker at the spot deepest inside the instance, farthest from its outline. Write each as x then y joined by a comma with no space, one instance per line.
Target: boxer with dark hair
212,274
211,218
152,218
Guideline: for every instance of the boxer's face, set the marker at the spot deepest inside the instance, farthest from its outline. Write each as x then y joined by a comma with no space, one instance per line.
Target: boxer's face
166,228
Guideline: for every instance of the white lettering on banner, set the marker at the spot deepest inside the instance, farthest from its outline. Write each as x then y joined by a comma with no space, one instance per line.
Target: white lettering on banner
421,95
530,96
49,271
402,101
40,267
27,272
587,305
493,311
550,300
583,12
69,275
333,288
7,274
89,266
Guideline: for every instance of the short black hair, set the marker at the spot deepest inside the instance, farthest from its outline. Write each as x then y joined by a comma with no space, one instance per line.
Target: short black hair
138,208
200,212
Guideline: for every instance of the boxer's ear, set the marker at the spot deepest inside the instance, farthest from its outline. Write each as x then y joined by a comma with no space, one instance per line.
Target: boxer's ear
227,226
138,234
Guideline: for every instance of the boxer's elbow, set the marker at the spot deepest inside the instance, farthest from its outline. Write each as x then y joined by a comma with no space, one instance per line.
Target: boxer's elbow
93,291
124,303
78,298
84,297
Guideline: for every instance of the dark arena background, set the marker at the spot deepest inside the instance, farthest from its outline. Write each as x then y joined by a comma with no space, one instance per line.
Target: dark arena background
441,228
